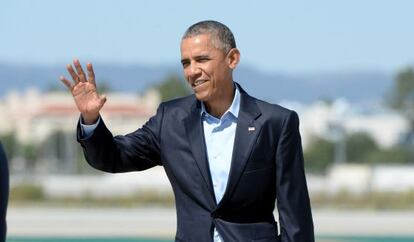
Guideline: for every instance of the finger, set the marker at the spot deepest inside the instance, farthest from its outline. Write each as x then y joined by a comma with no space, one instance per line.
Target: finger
72,73
67,83
79,70
91,74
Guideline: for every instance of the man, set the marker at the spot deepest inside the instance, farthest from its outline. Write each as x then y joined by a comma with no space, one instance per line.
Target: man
4,193
227,155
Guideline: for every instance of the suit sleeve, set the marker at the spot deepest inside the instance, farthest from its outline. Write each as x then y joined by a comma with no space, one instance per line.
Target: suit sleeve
136,151
4,192
292,194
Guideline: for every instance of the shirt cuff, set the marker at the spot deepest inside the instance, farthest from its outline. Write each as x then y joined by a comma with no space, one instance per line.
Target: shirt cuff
88,129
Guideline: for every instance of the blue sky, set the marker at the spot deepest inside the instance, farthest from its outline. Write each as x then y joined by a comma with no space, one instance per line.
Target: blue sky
274,36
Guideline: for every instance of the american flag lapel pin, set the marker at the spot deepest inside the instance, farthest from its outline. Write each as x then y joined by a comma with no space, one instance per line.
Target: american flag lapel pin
251,129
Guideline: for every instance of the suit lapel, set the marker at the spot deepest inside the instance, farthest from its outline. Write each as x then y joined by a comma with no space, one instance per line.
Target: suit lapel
194,127
246,134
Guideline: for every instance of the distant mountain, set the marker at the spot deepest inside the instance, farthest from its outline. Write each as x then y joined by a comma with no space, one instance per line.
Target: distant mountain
132,78
356,87
362,86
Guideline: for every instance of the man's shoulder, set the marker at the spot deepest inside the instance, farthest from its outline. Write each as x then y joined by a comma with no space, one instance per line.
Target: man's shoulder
272,109
181,104
266,108
276,114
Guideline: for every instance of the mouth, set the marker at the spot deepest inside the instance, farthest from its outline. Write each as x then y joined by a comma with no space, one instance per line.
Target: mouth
198,83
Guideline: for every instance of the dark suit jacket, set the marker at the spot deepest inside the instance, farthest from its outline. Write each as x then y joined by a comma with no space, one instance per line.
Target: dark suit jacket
267,163
4,192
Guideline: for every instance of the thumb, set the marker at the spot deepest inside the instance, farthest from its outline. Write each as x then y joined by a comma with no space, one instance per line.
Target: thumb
102,99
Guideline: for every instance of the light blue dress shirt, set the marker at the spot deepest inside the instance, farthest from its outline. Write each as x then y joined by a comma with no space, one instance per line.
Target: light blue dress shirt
219,134
219,138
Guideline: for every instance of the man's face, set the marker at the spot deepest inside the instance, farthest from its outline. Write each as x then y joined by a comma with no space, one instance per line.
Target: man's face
206,68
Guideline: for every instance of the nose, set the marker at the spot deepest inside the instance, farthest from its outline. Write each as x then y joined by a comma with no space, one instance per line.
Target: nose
193,71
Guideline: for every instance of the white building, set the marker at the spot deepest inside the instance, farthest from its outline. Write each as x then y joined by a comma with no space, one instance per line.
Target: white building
328,120
35,118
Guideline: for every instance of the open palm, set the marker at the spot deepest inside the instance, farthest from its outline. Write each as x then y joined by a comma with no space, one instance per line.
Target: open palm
84,92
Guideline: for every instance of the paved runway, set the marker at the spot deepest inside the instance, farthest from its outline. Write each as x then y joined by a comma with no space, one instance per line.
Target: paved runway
160,222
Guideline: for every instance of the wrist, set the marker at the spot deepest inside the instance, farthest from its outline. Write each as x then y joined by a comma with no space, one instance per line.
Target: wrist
89,119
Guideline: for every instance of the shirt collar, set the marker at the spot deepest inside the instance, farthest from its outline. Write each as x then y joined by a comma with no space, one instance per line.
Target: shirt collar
234,107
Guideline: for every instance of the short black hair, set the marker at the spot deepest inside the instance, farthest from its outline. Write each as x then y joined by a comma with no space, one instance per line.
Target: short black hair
222,36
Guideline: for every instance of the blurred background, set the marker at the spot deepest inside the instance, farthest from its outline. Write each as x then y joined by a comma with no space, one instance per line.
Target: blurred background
346,67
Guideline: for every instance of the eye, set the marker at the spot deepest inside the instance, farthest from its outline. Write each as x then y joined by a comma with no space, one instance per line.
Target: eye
202,58
184,63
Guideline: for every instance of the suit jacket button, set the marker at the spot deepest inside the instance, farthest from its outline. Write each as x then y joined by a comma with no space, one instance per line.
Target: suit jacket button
215,215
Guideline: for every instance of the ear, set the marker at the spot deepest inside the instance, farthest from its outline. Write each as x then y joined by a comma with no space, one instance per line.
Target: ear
233,58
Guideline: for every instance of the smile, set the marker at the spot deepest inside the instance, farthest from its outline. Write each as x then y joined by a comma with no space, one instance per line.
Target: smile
198,82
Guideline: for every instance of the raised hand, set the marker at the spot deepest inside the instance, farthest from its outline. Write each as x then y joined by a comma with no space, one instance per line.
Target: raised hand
83,90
